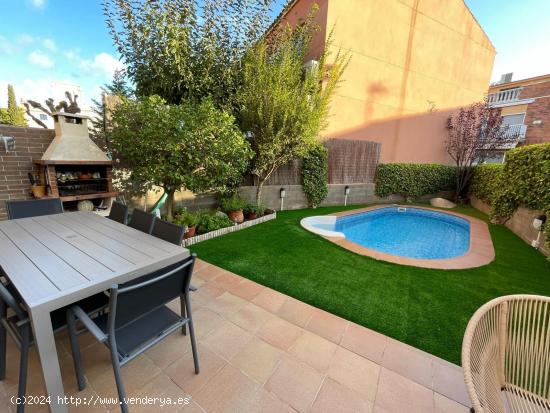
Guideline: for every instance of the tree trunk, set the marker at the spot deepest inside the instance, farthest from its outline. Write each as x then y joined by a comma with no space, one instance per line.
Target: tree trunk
259,191
170,205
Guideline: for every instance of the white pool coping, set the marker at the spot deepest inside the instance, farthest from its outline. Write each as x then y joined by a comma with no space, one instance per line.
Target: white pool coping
322,225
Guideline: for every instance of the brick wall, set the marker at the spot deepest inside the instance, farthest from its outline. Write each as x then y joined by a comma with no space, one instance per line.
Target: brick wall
538,110
30,144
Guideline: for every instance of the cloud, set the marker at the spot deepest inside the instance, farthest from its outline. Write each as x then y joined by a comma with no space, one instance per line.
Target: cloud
103,63
25,39
40,59
38,4
49,44
5,46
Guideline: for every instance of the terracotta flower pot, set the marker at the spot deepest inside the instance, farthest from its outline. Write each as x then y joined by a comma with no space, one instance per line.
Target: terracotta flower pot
38,191
236,216
252,216
190,232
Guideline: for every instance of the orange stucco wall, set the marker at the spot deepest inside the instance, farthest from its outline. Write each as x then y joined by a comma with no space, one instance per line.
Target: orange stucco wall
413,62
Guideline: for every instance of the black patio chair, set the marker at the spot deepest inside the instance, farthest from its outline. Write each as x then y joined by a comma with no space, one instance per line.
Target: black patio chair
168,232
119,213
142,221
18,327
138,318
33,208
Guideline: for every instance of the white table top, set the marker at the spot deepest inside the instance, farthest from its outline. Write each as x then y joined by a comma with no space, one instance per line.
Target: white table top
56,260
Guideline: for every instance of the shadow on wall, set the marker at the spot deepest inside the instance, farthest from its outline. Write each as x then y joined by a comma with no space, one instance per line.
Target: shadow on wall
418,138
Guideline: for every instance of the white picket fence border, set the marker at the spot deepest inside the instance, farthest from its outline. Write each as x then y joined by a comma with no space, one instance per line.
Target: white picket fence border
237,227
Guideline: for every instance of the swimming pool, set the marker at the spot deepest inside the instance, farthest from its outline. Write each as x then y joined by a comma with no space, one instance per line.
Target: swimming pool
401,231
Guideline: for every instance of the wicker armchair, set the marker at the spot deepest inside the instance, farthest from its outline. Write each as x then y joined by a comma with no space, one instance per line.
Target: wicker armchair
506,355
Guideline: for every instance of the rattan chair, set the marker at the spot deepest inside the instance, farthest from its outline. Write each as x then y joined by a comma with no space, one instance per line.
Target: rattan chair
142,221
119,212
33,208
506,355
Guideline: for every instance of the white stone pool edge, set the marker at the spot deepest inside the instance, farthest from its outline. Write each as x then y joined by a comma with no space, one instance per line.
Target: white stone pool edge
320,225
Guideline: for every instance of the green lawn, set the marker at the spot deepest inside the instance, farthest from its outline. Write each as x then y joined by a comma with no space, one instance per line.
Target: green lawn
428,309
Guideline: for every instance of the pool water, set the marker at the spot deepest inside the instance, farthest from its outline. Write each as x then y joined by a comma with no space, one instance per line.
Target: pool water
408,232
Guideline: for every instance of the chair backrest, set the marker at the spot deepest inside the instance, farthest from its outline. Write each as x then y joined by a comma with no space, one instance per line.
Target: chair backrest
34,208
8,299
142,221
506,348
167,231
133,300
119,212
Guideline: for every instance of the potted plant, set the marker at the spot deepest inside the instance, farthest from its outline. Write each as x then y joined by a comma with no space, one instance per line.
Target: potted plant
233,207
189,221
253,211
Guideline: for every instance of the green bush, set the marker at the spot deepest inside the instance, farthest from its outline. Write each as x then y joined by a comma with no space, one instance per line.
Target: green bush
487,182
258,209
209,221
233,203
523,180
315,175
414,180
186,219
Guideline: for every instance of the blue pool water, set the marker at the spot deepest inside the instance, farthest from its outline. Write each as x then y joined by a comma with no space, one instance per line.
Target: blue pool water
414,233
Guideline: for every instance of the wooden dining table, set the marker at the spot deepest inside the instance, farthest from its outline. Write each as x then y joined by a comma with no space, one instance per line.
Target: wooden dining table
57,260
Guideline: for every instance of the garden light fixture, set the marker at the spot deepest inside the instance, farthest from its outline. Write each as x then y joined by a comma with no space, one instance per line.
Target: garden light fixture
282,194
538,224
347,190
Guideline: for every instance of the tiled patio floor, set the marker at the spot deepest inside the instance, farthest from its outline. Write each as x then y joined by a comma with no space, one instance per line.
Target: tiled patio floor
262,351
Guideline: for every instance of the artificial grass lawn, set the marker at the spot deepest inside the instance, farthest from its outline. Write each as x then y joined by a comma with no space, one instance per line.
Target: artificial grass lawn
428,309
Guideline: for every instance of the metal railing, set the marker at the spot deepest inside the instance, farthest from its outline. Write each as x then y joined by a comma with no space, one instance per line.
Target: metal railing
504,96
517,131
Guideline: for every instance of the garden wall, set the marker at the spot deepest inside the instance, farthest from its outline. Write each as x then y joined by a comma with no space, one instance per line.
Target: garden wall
30,143
520,223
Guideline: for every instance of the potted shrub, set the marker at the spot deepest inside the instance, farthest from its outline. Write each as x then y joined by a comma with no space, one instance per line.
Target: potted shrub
189,221
253,211
208,222
233,207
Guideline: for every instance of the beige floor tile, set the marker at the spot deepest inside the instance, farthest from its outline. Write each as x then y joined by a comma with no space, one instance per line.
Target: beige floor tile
257,359
209,290
445,405
327,326
136,374
173,347
397,394
182,372
295,383
88,402
250,317
314,350
355,372
264,402
409,362
225,304
449,381
337,398
205,321
209,272
227,340
280,333
170,398
270,300
229,391
227,280
296,312
364,342
246,289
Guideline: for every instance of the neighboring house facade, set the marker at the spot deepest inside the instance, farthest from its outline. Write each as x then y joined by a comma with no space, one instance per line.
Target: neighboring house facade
525,107
413,63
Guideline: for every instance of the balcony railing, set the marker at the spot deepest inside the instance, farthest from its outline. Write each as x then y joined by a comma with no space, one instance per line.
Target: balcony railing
504,96
517,131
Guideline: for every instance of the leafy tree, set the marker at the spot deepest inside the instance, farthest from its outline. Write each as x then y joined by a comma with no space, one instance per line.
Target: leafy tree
186,49
13,114
192,145
475,134
283,107
315,174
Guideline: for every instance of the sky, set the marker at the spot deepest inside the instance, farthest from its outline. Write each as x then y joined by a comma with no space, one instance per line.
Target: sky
43,42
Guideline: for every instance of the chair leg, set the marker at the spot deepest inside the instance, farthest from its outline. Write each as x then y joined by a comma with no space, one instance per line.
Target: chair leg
183,314
23,366
3,349
192,333
75,350
118,378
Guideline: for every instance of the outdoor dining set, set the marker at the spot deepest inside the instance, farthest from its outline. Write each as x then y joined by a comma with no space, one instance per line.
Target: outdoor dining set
81,272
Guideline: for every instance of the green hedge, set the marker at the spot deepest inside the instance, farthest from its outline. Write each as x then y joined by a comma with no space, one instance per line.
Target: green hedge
414,180
523,180
486,182
315,175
